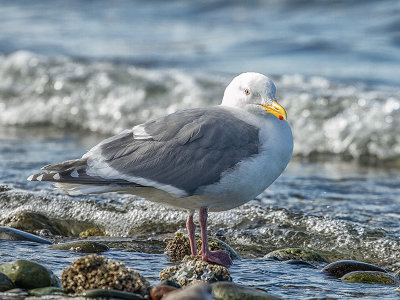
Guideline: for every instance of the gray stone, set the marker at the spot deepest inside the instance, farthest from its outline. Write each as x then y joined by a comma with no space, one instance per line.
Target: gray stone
82,247
114,294
372,277
197,291
297,254
340,268
232,291
49,290
11,234
29,275
5,283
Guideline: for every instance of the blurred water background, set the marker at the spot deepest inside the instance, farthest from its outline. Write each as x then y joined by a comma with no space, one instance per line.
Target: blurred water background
74,72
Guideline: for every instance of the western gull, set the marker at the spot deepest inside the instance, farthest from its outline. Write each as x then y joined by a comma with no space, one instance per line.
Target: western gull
206,159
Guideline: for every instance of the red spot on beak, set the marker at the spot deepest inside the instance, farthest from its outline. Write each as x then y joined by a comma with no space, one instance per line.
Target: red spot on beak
280,117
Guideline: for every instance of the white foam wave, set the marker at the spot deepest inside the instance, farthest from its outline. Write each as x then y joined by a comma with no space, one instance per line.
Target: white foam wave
351,120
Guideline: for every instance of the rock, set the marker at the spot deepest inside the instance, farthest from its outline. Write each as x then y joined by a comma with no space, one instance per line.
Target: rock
148,245
297,254
15,294
4,188
160,291
170,283
342,267
82,247
5,283
97,272
179,247
193,269
373,277
28,274
300,263
49,290
197,291
94,231
31,221
113,294
232,291
11,234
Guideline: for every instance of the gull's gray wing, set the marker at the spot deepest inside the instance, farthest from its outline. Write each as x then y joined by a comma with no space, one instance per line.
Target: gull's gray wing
184,150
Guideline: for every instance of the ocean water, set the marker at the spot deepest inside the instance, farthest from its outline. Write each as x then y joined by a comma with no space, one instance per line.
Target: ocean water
73,73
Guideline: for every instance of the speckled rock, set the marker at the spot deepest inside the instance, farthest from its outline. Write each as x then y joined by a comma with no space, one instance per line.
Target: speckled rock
31,221
49,290
82,247
342,267
160,291
94,231
297,254
28,274
232,291
196,291
373,277
193,269
97,272
5,283
113,294
11,234
179,247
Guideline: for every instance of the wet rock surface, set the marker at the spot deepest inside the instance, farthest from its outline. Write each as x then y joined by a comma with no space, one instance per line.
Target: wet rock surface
30,221
300,263
297,254
82,247
94,231
46,291
372,277
110,294
12,234
28,274
340,268
232,291
193,269
5,283
97,272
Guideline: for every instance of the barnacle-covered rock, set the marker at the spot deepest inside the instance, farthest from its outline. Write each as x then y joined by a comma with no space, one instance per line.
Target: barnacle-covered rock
98,272
179,247
193,269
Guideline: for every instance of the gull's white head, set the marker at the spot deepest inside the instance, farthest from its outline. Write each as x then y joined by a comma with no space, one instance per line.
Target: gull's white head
253,92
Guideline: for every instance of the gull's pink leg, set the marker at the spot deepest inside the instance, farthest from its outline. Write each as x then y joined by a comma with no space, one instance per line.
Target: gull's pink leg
191,232
220,257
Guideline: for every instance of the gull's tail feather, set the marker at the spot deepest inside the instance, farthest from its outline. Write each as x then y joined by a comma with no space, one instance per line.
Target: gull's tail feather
71,176
66,165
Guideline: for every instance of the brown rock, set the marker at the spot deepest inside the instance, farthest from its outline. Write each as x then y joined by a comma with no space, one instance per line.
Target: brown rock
160,291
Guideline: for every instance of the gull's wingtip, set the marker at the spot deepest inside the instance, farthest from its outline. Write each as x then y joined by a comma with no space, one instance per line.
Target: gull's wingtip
30,178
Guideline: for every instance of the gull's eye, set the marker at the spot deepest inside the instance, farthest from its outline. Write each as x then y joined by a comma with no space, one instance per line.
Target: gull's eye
246,92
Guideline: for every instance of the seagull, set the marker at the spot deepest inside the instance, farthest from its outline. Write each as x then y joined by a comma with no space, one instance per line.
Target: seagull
205,159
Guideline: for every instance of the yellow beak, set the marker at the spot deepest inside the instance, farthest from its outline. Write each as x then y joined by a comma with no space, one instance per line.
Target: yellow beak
276,109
